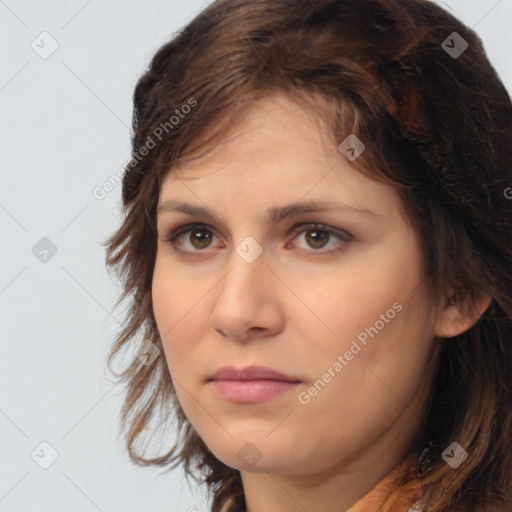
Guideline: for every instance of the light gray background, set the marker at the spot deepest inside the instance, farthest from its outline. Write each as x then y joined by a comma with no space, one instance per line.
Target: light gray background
64,130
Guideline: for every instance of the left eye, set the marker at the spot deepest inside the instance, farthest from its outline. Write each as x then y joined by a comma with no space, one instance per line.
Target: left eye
318,235
200,237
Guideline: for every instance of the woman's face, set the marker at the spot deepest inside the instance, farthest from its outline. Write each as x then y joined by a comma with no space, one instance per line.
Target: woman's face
337,308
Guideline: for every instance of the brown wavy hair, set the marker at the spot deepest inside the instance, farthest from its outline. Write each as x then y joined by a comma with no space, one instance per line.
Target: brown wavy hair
437,126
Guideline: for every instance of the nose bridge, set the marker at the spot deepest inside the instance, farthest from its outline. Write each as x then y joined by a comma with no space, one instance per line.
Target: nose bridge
248,264
245,293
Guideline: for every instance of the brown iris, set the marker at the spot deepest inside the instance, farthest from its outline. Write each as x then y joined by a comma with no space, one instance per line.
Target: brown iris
318,234
201,236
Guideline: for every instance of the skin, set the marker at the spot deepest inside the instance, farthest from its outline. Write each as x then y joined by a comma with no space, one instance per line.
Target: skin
295,309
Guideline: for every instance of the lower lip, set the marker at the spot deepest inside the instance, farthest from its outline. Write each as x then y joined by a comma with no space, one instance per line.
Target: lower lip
251,391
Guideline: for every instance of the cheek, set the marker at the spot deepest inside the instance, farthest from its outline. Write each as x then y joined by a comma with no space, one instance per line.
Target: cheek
376,317
176,306
383,379
353,304
384,342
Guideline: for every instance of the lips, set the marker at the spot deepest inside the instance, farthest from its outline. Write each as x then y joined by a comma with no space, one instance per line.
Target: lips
251,385
251,373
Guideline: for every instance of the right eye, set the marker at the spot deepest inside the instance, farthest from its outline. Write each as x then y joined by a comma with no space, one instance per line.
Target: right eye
199,239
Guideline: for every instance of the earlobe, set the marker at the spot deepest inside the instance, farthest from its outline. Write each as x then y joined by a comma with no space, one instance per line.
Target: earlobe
459,313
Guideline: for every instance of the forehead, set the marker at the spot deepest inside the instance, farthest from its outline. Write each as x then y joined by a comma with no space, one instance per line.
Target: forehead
275,122
278,151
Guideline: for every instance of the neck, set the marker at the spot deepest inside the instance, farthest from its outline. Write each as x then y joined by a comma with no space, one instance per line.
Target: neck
350,490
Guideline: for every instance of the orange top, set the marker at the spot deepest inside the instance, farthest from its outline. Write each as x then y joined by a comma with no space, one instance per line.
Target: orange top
381,493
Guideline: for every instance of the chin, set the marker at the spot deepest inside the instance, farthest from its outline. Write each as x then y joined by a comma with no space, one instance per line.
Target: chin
254,453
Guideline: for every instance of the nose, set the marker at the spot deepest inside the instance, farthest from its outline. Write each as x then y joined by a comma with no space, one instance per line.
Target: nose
247,305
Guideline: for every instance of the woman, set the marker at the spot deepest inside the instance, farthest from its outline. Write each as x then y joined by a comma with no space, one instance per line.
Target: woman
317,242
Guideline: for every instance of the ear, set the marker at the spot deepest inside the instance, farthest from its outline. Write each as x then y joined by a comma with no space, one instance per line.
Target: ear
458,313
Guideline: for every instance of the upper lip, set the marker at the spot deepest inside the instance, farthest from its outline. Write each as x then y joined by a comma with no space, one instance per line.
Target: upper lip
251,373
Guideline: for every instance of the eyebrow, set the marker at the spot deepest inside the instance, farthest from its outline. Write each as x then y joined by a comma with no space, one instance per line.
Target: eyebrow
273,215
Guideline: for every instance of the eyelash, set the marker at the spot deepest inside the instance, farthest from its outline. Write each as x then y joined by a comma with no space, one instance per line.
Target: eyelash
343,236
